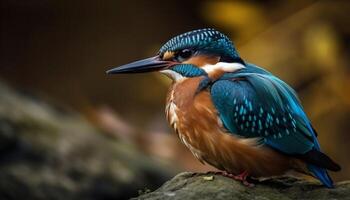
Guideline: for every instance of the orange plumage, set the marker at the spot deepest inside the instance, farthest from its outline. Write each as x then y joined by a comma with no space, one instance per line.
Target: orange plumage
267,134
196,122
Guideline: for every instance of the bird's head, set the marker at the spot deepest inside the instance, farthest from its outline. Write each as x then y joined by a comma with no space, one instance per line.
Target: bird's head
195,53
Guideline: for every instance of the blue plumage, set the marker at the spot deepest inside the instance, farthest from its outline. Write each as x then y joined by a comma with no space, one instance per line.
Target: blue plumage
189,70
208,40
251,102
254,103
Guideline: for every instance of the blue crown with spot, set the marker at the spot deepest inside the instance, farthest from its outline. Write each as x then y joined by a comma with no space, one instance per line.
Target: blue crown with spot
208,39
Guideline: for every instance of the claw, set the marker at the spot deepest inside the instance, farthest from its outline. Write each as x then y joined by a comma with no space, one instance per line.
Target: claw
241,177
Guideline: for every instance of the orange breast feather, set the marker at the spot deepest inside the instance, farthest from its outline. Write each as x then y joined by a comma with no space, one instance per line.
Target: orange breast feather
196,122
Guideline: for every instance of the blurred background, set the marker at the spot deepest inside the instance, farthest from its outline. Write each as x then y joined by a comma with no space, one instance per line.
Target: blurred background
69,131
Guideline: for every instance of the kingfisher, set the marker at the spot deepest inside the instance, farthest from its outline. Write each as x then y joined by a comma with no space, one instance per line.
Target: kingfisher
231,114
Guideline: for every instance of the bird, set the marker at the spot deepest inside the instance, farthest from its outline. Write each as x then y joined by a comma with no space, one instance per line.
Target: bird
232,114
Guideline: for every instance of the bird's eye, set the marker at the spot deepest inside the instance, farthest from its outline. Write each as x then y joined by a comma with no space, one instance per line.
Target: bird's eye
183,55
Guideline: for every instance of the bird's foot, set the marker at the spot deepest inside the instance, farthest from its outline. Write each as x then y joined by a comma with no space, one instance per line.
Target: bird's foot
241,177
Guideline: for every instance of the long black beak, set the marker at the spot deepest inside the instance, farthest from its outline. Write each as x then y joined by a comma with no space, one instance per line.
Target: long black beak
141,66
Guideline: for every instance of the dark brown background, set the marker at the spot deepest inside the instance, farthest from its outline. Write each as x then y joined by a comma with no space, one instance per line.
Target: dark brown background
61,49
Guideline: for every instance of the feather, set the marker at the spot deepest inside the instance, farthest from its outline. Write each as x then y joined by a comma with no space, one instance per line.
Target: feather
320,159
254,103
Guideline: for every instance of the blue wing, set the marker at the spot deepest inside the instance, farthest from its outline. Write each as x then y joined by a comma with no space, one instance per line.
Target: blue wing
254,103
261,105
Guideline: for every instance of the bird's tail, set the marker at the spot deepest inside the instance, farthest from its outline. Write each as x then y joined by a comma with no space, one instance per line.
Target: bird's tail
321,174
318,163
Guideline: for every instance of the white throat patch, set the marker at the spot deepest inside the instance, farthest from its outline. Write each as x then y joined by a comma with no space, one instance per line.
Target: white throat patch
224,66
172,74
